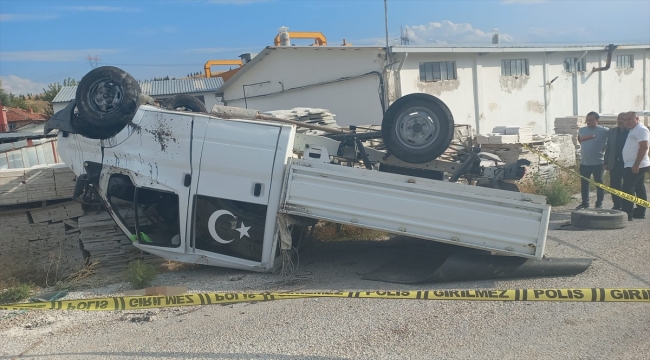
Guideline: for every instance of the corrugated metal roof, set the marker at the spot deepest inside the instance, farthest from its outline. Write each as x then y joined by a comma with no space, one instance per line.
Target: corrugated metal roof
501,48
157,88
66,94
27,131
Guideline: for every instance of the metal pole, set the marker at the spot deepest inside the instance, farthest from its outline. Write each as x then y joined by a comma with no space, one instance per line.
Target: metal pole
386,21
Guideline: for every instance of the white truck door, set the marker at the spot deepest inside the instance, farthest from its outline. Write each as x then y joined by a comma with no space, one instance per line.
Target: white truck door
230,205
145,170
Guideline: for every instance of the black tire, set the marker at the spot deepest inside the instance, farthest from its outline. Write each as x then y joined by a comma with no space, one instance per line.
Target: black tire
107,98
185,103
417,128
599,219
90,131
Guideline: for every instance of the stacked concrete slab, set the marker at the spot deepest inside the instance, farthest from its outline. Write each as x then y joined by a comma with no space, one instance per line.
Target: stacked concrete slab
25,185
571,124
314,116
46,233
559,148
41,240
106,244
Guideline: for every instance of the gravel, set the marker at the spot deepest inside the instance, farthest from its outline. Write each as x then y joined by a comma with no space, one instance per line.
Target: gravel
362,328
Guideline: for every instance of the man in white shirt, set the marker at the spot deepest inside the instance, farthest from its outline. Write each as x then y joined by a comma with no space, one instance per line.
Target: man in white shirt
637,163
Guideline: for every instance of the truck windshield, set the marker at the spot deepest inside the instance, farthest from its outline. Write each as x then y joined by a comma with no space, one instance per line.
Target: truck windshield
154,213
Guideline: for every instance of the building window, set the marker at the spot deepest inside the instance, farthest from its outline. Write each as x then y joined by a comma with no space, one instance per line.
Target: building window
515,67
437,71
572,65
625,62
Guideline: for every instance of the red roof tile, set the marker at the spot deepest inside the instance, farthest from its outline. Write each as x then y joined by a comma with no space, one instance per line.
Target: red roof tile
16,114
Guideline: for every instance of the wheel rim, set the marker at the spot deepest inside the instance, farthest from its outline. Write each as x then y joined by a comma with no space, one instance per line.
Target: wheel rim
417,128
105,96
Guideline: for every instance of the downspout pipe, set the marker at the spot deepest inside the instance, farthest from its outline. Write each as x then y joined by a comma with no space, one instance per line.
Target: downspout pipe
398,88
610,50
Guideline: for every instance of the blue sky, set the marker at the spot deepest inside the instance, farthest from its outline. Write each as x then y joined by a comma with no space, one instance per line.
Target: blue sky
47,41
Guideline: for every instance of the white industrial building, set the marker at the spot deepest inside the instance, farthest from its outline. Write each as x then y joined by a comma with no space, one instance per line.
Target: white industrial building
201,88
483,86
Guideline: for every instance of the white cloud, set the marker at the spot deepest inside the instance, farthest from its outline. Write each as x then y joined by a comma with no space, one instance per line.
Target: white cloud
447,32
53,55
101,9
27,17
155,31
21,86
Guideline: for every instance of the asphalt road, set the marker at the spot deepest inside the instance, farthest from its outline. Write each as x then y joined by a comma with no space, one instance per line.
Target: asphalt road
363,328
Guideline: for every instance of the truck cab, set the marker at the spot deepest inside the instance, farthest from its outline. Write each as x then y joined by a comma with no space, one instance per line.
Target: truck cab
173,176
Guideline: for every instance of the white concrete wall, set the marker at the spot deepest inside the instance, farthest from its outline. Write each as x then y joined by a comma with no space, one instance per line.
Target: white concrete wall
497,100
510,100
355,102
59,106
623,88
457,94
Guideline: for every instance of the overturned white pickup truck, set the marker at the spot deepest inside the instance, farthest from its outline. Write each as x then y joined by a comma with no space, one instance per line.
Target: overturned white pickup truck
208,189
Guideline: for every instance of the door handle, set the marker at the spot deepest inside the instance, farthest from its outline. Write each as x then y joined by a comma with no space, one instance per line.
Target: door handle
257,189
187,180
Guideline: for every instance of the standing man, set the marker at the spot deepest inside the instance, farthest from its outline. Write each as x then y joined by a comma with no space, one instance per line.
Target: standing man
592,140
637,163
614,157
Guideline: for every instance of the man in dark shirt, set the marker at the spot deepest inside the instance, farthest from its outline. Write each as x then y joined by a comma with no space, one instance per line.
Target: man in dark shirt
614,157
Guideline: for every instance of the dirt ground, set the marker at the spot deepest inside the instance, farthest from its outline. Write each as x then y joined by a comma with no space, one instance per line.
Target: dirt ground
361,328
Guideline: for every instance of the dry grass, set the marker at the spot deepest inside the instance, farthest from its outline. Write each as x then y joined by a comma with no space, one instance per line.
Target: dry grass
15,270
15,293
140,274
331,232
558,190
39,106
172,266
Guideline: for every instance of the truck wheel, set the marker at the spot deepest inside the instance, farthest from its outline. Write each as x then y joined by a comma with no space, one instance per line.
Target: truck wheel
598,219
87,130
107,97
185,102
417,128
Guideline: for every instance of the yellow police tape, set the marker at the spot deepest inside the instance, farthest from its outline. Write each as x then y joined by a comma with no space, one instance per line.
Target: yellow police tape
150,302
610,190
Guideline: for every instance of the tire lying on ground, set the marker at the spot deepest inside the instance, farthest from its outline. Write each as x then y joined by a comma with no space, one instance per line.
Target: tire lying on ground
599,219
185,102
107,99
417,128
